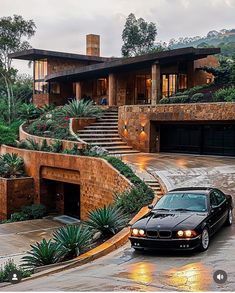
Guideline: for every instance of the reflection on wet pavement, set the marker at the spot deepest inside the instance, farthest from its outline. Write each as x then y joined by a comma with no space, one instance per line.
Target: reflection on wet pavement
191,277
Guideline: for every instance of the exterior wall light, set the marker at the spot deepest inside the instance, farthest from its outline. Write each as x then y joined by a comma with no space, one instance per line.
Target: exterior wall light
142,128
125,127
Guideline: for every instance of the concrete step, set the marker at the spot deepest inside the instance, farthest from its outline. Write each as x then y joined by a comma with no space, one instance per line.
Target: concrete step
88,131
121,147
109,143
126,152
95,127
94,135
104,139
104,123
108,120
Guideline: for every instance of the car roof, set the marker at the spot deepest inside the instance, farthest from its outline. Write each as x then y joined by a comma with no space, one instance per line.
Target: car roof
205,190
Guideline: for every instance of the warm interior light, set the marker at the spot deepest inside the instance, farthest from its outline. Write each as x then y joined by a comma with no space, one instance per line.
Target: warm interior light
135,232
180,233
141,232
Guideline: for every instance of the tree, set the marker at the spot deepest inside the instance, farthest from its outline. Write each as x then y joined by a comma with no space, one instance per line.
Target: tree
138,36
13,31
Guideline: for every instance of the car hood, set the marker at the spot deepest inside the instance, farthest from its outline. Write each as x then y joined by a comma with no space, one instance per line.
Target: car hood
170,220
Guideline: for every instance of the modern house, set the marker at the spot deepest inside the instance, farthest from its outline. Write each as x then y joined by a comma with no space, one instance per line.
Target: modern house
145,79
136,85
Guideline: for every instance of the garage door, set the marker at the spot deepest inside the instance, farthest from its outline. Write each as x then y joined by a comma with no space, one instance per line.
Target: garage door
211,139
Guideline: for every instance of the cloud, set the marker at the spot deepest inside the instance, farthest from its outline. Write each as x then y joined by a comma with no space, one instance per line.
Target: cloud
62,25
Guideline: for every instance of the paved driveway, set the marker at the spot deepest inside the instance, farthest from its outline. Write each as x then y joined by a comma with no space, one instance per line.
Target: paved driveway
125,269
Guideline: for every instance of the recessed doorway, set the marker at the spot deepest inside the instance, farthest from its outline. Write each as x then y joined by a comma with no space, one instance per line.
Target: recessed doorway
72,200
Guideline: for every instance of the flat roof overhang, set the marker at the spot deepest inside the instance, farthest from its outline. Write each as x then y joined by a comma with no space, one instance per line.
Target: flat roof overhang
132,63
37,54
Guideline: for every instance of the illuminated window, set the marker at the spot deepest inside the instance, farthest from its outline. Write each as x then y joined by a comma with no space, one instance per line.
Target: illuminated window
143,89
169,85
40,71
183,83
101,87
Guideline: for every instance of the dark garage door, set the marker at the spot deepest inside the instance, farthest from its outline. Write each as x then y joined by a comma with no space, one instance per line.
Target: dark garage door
211,139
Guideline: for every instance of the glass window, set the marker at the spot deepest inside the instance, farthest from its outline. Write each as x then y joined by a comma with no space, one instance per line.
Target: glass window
40,87
183,201
101,87
169,85
54,88
182,81
219,196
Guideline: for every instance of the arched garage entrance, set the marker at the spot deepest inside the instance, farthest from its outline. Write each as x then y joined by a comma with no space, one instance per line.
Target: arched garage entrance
60,191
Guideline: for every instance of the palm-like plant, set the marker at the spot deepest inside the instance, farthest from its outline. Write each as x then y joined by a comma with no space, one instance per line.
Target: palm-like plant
71,239
108,220
11,166
29,111
81,108
42,253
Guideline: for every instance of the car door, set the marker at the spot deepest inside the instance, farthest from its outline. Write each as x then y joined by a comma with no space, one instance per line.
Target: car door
215,213
222,206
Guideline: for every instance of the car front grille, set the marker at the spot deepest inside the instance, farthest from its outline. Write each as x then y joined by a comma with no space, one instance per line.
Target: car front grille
159,234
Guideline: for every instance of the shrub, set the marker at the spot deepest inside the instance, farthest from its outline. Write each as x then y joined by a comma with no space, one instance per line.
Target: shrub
108,220
29,111
196,97
11,166
71,239
81,108
34,211
57,146
131,201
164,101
225,94
7,135
17,217
10,266
42,253
31,144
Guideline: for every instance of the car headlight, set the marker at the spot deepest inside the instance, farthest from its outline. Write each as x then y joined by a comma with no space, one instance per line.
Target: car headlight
137,232
186,233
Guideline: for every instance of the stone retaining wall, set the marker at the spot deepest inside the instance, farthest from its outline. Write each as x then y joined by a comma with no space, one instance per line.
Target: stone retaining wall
134,121
98,180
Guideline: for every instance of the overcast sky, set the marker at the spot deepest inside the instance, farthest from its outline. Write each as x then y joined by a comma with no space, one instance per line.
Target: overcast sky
63,24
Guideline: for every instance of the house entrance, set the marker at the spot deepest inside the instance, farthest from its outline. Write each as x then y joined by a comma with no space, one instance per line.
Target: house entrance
72,200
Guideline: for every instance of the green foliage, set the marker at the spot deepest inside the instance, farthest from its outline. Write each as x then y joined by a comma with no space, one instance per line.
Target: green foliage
31,144
225,95
29,112
41,254
7,135
11,166
108,220
34,211
18,217
138,36
57,146
10,266
71,240
196,97
81,108
131,201
23,88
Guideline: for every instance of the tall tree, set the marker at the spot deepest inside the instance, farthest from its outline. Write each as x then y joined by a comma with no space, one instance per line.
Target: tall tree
14,35
14,32
138,36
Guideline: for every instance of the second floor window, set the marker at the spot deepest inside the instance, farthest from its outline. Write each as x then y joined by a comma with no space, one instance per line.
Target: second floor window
40,71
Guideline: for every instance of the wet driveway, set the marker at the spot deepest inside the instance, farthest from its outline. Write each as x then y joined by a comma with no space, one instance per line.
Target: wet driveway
126,270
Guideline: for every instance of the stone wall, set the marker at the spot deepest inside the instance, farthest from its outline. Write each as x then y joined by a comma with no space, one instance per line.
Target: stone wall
66,144
138,119
15,193
98,179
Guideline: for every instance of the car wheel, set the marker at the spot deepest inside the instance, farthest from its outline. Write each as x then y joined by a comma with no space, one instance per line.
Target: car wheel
205,240
229,219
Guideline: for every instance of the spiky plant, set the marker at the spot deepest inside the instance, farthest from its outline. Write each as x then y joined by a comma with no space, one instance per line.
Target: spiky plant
81,108
71,239
42,253
11,166
57,146
108,220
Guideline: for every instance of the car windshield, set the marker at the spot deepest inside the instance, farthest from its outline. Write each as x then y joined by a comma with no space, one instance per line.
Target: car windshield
182,202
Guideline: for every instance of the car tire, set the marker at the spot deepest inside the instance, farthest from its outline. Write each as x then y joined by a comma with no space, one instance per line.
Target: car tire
229,219
205,240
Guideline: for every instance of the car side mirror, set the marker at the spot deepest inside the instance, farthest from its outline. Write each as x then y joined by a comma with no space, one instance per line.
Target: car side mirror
150,206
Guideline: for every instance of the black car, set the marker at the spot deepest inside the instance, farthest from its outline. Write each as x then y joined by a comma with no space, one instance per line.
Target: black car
183,219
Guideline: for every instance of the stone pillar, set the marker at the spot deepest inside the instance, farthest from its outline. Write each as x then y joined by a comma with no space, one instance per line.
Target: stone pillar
78,91
156,84
190,73
112,89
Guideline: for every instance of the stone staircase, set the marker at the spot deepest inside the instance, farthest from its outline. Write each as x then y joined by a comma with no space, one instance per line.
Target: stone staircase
104,133
156,187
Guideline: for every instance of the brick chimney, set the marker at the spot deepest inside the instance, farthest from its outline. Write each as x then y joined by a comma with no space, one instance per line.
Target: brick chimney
93,45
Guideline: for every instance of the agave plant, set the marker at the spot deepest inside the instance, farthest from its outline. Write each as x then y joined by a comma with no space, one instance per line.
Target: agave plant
81,108
107,220
29,111
71,239
11,166
42,253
